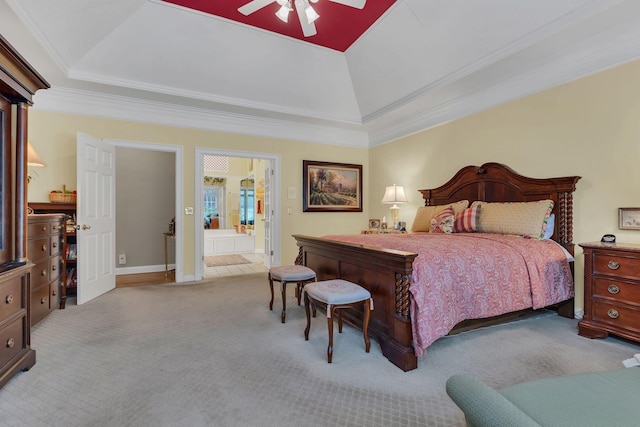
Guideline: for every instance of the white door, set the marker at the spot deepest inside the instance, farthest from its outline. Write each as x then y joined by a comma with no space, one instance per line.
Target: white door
268,249
95,217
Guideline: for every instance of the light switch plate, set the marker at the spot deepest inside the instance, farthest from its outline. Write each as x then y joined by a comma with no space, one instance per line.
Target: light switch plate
188,211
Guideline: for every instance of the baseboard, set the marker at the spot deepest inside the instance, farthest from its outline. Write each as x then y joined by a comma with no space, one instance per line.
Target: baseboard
143,269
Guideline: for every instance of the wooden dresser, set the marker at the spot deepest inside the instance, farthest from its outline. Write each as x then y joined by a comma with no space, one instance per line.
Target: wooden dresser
45,248
15,334
611,290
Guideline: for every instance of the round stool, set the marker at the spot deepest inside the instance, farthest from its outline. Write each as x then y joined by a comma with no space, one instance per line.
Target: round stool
337,294
284,274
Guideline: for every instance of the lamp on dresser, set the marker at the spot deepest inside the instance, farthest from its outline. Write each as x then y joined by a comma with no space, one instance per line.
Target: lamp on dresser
393,195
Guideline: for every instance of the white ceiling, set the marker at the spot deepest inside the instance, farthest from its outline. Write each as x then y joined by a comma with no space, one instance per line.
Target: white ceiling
425,62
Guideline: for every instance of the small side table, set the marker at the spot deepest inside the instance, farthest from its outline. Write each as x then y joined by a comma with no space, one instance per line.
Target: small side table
167,236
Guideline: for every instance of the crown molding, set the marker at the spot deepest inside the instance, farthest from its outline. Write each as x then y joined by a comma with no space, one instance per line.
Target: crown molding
88,103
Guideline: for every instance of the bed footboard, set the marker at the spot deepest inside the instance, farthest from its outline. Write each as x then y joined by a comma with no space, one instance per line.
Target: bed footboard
383,272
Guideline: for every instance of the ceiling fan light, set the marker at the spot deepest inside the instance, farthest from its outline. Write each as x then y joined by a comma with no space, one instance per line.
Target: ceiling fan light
312,15
283,13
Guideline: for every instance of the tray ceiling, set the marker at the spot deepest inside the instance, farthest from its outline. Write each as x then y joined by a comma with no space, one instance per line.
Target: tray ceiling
409,64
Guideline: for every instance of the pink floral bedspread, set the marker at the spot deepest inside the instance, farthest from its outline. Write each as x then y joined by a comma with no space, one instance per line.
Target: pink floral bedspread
474,275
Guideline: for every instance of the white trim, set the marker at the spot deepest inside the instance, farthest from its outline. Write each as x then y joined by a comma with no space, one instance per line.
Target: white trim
179,231
97,104
200,152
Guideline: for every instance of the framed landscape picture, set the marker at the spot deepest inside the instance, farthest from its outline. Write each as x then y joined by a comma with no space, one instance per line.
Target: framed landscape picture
331,187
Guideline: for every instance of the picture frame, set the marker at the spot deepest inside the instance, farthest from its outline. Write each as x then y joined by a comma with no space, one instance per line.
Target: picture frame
374,224
629,218
331,187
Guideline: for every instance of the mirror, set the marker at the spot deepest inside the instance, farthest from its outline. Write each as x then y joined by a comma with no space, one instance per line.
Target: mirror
247,200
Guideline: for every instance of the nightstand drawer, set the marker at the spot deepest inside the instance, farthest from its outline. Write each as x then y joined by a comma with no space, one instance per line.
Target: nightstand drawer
621,291
616,265
622,317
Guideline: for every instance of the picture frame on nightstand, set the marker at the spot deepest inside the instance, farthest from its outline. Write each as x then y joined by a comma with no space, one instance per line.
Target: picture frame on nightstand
629,218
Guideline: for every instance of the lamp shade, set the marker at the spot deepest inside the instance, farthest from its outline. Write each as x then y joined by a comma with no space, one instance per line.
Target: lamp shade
394,194
33,159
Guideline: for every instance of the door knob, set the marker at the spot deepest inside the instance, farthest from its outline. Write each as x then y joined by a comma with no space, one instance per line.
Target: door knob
85,226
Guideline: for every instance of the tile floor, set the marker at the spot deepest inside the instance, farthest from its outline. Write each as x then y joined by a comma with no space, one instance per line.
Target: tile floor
256,266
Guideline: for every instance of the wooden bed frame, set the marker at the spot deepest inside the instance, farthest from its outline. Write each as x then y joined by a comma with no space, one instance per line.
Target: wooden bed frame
387,273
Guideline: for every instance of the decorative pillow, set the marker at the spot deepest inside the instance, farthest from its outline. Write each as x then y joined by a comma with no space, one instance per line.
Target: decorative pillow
467,220
551,223
422,220
520,218
442,222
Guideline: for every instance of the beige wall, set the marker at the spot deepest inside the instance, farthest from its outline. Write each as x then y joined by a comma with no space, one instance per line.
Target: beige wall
54,137
589,128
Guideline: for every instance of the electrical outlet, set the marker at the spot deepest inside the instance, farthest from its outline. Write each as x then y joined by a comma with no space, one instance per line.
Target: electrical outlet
122,258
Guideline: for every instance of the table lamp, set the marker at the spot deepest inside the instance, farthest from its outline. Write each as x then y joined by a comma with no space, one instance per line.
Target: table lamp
393,195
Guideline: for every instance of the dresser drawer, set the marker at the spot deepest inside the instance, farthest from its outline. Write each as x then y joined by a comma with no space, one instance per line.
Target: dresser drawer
54,293
38,229
619,316
38,249
11,340
39,303
40,274
621,291
11,297
55,264
616,265
56,245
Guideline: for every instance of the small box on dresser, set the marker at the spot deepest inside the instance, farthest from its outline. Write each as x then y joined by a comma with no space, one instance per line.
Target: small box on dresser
45,234
611,290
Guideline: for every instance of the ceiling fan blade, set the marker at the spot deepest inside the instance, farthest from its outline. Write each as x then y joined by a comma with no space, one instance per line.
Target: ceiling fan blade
358,4
308,29
254,6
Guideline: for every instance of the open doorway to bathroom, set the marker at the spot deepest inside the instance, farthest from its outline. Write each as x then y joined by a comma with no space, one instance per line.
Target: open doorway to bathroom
235,192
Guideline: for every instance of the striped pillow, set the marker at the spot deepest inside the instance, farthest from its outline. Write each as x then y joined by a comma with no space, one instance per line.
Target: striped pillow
442,222
466,221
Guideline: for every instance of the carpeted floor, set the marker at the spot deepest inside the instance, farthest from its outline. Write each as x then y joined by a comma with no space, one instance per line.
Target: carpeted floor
212,354
221,260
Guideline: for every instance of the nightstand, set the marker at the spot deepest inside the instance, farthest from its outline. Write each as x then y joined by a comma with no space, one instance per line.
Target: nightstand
611,290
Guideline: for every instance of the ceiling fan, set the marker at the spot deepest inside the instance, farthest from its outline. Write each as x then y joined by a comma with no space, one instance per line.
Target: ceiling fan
306,14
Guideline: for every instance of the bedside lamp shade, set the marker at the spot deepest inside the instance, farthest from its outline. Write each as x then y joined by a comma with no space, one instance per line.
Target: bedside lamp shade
394,194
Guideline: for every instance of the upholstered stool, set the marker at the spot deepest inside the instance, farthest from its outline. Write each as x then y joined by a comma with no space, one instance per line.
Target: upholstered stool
298,274
335,295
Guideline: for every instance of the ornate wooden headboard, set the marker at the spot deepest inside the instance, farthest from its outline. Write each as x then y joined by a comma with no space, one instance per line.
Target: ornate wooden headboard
495,182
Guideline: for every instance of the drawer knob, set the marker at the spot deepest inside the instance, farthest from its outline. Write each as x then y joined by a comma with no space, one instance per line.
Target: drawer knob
55,245
54,268
44,228
613,289
11,342
54,293
613,265
43,300
9,299
43,273
612,313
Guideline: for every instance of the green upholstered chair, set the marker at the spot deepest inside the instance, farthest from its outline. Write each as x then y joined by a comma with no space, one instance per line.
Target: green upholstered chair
599,399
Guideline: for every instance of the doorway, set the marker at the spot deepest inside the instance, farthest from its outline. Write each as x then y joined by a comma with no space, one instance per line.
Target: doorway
234,193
